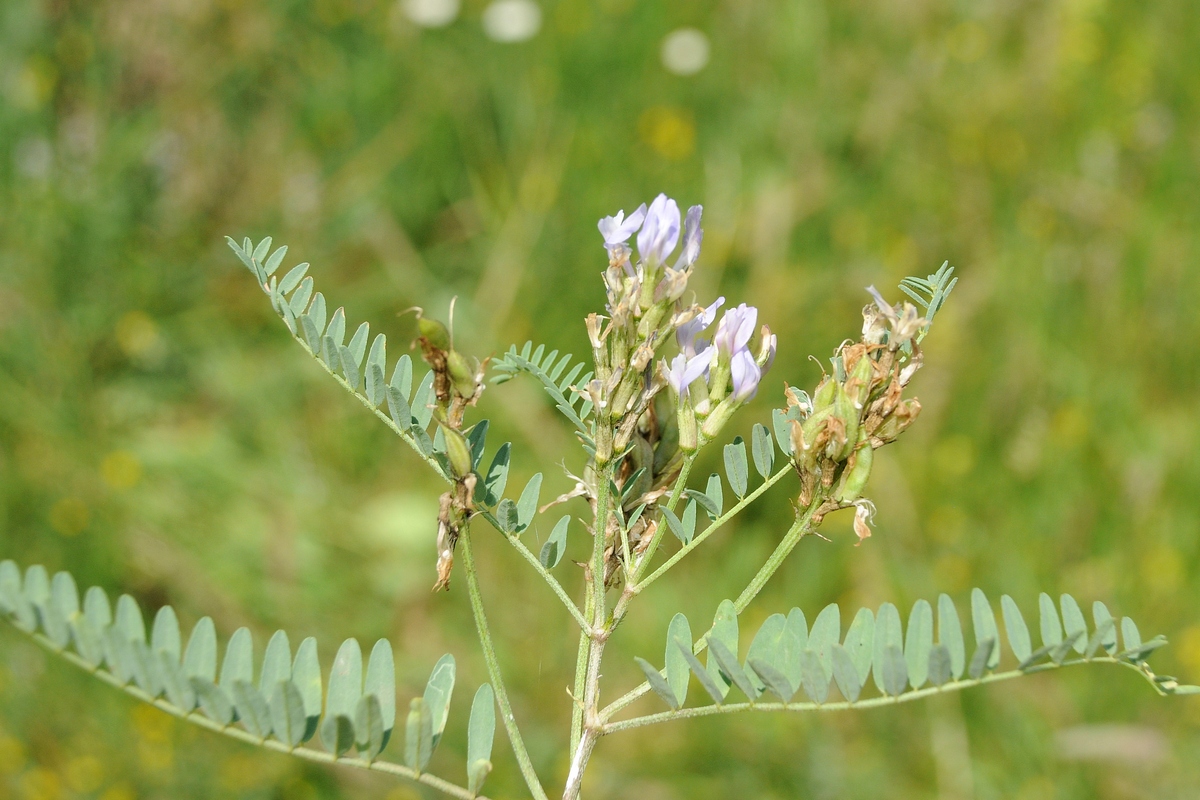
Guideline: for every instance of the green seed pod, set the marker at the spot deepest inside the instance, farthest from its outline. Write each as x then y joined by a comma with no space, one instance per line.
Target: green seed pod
434,332
898,420
458,451
854,478
845,410
858,385
461,374
823,397
804,437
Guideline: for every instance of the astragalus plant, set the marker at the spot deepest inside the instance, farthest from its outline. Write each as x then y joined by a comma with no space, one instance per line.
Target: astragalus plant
666,373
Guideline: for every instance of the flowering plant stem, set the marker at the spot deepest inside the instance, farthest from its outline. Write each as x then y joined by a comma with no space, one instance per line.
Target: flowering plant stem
493,669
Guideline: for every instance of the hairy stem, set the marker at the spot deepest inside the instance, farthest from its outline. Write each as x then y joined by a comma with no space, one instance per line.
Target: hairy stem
306,753
493,669
874,702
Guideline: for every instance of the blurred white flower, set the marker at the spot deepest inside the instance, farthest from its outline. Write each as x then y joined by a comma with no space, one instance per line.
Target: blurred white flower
512,20
685,51
431,13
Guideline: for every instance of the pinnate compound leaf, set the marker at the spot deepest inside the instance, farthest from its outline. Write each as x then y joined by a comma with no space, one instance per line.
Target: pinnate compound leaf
825,633
918,643
1106,632
860,643
252,709
813,677
1104,619
984,620
715,690
763,450
895,671
277,663
556,545
418,735
1074,625
200,658
771,678
715,494
214,701
380,681
767,648
437,696
941,670
368,727
289,720
1131,637
164,634
239,660
949,632
679,632
736,467
846,673
506,516
1051,626
783,430
306,675
341,702
705,502
725,629
528,503
981,659
731,669
1015,627
658,683
496,479
887,634
481,730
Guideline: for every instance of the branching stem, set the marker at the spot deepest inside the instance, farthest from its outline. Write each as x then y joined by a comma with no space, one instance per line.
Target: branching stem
493,669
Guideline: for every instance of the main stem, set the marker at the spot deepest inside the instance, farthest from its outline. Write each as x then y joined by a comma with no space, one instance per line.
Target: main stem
493,669
585,728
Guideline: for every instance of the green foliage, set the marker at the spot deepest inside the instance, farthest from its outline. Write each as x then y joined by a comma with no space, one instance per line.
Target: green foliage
783,657
562,384
283,705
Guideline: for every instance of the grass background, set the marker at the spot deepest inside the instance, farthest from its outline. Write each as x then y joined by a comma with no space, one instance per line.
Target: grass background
160,434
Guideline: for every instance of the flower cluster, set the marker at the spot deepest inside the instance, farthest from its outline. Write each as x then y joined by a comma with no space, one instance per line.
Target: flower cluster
708,379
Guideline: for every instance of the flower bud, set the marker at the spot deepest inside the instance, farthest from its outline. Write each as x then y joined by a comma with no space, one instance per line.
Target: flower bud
841,444
458,451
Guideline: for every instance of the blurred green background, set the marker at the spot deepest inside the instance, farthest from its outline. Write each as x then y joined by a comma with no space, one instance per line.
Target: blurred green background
160,434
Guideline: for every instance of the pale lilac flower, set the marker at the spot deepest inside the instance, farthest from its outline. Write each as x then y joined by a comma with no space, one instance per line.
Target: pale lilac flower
745,374
693,234
736,328
686,333
660,232
684,371
617,230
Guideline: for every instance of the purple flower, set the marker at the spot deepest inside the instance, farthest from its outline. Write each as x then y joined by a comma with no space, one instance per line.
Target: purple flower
692,236
660,233
745,374
736,328
617,230
684,370
686,333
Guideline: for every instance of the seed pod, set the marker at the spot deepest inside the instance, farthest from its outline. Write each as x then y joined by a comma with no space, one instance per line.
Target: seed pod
461,374
805,437
458,451
844,409
858,385
823,397
858,470
433,332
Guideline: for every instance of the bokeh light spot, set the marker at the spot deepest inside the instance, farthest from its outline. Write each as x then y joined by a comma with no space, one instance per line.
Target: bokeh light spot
685,51
121,469
512,20
431,13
